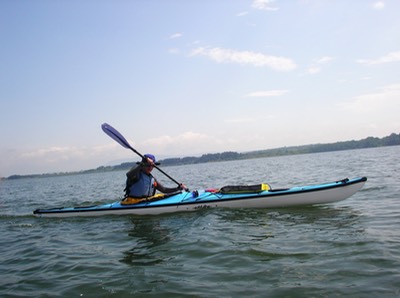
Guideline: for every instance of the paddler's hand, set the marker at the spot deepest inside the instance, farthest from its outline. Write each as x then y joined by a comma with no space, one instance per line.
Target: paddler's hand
183,186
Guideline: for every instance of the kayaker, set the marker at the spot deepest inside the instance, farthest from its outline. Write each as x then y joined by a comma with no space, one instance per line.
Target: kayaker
141,183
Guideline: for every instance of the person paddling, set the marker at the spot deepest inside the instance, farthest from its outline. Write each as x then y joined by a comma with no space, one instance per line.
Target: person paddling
140,182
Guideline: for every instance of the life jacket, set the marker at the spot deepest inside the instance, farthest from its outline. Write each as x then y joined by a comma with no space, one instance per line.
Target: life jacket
145,186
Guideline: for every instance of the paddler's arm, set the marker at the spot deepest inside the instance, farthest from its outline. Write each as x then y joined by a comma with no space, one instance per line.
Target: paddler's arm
164,189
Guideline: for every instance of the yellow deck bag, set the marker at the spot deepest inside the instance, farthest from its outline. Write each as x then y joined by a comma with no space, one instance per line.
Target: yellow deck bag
130,200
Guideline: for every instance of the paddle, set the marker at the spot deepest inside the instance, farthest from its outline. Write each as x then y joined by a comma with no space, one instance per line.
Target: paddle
116,136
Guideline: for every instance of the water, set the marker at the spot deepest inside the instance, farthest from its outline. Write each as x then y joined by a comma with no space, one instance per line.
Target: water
351,248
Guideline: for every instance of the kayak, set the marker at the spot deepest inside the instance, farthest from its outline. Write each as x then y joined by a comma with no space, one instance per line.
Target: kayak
259,196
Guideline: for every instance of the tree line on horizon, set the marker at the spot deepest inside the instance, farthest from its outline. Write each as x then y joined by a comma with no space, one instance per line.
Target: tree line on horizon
369,142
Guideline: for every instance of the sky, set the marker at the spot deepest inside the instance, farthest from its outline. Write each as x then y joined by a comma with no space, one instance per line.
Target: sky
184,78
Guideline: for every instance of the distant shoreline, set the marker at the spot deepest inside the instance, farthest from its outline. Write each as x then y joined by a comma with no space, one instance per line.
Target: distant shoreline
370,142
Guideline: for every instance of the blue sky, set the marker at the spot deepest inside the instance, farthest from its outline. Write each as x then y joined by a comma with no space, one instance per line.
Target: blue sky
181,78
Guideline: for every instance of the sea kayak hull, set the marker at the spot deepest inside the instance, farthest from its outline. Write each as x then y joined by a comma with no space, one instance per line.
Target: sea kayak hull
192,201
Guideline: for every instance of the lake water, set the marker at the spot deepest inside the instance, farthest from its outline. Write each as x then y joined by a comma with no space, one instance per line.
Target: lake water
350,248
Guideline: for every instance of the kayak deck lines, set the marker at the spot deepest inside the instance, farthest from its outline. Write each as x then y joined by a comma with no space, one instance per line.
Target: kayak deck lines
191,201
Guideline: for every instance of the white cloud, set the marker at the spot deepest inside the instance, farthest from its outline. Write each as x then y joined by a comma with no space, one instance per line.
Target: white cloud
51,154
378,5
54,153
176,35
264,5
324,60
268,93
57,158
385,99
239,120
174,51
221,55
196,143
391,57
317,65
243,13
313,69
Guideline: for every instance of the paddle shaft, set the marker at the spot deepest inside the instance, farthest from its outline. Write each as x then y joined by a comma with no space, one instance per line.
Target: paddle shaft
116,136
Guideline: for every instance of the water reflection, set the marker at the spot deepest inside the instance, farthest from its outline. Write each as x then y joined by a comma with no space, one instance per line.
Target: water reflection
149,236
275,225
342,216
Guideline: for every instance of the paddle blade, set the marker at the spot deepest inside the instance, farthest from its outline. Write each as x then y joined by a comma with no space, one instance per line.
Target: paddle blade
115,135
